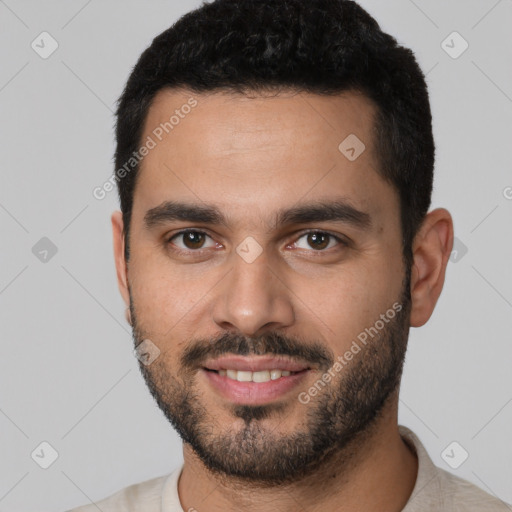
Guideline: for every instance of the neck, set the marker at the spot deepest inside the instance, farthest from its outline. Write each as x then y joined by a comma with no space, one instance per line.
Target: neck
376,472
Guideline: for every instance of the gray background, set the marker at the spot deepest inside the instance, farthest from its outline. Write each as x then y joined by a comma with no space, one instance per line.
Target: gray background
67,372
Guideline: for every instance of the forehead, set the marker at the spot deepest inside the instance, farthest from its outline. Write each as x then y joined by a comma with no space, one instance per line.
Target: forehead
259,152
234,119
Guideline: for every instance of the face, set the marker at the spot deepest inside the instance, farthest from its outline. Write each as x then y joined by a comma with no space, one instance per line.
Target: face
261,257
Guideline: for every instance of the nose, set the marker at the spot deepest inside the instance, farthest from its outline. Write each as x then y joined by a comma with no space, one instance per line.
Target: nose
253,298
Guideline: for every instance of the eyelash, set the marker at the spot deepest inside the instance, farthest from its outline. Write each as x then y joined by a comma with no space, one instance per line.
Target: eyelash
199,251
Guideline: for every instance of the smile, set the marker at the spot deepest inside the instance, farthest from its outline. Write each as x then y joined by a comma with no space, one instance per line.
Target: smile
254,392
261,376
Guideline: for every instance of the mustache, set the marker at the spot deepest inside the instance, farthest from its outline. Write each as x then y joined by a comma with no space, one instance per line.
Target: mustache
273,343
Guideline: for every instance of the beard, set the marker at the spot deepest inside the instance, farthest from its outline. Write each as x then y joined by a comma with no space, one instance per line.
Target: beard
337,423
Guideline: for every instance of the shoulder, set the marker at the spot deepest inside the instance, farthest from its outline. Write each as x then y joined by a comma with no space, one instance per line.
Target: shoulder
439,490
463,496
145,496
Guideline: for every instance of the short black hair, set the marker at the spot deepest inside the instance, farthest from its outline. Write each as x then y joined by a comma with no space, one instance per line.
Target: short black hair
318,46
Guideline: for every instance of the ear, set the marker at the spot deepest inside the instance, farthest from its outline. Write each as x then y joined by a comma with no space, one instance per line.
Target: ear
121,268
432,248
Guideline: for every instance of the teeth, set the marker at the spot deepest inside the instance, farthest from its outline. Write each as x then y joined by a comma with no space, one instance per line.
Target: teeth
262,376
244,376
275,374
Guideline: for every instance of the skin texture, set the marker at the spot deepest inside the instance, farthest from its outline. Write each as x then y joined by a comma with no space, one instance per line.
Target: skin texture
251,157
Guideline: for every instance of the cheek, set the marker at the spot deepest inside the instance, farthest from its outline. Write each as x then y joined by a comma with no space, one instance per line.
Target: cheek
351,301
168,298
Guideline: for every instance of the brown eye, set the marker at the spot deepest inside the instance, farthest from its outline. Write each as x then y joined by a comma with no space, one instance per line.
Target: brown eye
320,240
191,240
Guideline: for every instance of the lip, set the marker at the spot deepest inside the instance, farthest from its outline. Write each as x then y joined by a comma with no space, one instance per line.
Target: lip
253,393
255,364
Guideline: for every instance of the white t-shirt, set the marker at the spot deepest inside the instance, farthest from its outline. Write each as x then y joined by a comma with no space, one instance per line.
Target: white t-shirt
435,490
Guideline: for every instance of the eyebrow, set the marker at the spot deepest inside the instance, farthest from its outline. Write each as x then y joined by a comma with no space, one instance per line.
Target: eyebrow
319,211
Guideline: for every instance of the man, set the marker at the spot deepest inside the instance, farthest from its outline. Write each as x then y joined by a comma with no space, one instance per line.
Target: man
275,164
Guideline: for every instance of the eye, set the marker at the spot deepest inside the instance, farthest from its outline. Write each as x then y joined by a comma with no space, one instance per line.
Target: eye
191,240
320,240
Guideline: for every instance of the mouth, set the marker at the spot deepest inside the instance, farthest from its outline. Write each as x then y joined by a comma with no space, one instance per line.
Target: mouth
248,376
254,380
